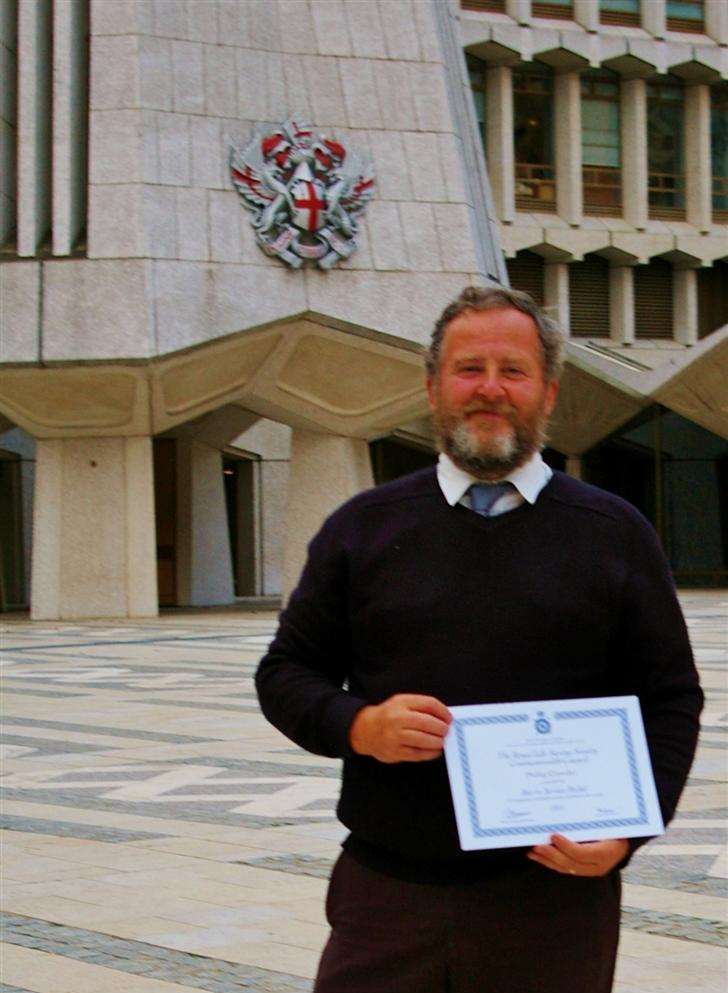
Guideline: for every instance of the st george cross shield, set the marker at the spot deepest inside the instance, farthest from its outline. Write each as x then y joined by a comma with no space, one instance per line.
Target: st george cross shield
309,204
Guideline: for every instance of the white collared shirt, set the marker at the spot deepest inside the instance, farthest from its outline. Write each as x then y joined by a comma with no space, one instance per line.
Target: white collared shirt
528,479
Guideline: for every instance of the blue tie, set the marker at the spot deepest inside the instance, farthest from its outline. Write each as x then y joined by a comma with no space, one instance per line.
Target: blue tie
484,495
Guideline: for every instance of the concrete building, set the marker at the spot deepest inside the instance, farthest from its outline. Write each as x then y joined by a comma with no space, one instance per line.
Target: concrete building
180,410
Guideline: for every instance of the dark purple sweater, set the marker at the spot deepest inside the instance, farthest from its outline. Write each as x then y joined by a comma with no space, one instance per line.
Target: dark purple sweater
569,597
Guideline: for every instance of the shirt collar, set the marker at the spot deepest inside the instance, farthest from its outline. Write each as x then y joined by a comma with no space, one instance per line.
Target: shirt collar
529,478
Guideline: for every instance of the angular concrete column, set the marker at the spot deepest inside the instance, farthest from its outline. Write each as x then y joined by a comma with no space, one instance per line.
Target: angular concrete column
634,151
573,466
499,134
519,10
93,529
556,292
654,17
204,562
326,470
586,13
716,20
685,305
567,110
621,304
698,172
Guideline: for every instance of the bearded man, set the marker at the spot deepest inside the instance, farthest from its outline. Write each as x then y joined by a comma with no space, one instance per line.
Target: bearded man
491,579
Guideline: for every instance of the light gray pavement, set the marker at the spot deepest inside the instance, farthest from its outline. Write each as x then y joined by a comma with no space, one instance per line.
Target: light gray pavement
160,837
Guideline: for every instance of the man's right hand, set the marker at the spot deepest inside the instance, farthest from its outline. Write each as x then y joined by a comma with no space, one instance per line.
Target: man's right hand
405,728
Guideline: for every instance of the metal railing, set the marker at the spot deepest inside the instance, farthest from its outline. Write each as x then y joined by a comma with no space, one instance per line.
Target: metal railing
535,187
602,187
666,194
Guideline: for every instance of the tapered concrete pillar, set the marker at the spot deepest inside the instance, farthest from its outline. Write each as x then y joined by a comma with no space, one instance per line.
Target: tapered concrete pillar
499,133
685,305
93,529
556,292
621,304
698,178
586,13
326,470
519,10
654,17
634,151
204,562
573,466
567,109
716,20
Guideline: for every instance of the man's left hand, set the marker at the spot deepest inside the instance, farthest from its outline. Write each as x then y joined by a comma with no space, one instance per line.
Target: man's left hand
588,858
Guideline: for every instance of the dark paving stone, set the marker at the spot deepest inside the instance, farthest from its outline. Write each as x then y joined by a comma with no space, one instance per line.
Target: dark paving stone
34,692
691,836
102,729
700,929
45,747
668,872
206,705
139,958
68,829
296,865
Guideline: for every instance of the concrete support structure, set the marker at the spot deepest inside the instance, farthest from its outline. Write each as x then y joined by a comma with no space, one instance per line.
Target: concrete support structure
8,117
567,113
93,529
501,154
654,17
204,563
698,178
586,13
325,471
519,10
34,107
556,292
621,304
685,305
716,20
634,151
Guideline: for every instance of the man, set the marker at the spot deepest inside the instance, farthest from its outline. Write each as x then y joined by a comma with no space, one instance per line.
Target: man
442,589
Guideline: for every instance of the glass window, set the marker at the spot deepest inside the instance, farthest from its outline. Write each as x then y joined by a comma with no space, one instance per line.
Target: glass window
560,9
533,125
619,11
600,143
685,15
719,151
665,125
476,72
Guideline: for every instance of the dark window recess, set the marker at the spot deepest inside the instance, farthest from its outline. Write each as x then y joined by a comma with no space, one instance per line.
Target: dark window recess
665,129
525,272
712,298
533,134
685,15
719,151
392,458
557,9
653,300
589,297
620,12
490,6
165,516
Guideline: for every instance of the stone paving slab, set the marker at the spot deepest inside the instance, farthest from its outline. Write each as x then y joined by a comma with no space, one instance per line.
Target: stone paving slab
160,837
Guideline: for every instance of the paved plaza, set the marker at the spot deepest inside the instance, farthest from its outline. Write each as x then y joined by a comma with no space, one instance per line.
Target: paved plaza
160,837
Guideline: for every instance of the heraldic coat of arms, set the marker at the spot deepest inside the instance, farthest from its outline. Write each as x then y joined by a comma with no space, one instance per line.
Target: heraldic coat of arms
305,194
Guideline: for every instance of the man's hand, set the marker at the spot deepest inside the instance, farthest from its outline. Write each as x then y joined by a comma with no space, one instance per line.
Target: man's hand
588,858
405,728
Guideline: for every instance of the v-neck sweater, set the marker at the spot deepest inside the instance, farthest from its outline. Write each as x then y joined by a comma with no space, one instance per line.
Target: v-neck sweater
569,597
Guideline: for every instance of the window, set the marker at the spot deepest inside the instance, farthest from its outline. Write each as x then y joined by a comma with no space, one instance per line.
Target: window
600,143
685,15
620,12
712,298
589,297
533,125
653,300
560,9
491,6
665,125
476,72
525,273
719,151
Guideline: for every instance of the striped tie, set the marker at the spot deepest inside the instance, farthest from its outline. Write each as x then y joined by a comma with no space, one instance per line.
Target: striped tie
484,495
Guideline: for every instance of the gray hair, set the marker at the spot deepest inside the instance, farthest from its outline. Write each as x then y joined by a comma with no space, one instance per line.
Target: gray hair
491,298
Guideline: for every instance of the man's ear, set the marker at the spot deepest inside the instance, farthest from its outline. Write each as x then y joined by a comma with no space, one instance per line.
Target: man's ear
552,395
431,387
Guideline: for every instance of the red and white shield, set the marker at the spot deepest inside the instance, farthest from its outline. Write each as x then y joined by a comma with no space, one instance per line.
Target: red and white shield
309,204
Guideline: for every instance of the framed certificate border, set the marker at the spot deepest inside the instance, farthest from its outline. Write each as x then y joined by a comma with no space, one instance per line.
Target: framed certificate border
639,790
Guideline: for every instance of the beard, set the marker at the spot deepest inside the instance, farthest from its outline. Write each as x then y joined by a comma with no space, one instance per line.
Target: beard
489,457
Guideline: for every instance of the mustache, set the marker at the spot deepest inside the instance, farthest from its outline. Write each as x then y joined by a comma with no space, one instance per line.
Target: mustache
489,408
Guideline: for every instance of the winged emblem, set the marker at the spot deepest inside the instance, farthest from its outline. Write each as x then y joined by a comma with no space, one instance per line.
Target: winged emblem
304,191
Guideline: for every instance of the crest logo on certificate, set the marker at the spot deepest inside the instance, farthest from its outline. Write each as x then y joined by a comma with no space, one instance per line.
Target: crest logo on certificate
519,772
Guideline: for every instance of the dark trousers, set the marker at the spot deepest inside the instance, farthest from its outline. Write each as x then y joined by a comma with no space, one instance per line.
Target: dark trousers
528,930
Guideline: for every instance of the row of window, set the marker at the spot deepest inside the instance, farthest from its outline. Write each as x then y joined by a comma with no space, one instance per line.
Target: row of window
533,123
682,15
589,311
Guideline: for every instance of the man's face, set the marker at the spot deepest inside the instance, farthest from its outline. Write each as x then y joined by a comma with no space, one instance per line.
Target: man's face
490,400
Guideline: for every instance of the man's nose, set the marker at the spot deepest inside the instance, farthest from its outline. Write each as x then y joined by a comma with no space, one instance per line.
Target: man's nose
490,387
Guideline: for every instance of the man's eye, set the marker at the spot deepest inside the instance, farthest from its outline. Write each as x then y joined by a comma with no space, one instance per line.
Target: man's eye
513,370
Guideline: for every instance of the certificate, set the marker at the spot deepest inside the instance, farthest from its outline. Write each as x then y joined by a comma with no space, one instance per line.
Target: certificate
520,772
